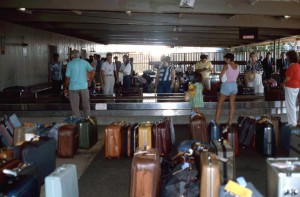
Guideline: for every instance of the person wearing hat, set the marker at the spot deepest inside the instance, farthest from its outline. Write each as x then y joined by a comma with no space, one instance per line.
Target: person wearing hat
253,73
76,84
205,67
108,75
165,77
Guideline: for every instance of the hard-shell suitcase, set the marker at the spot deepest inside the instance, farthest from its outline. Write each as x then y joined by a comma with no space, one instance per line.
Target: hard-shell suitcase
214,131
276,122
247,131
24,133
198,128
286,132
41,153
232,137
295,145
145,135
227,169
113,140
265,139
88,133
145,174
68,140
126,135
283,177
161,135
132,139
23,186
6,136
210,176
7,164
62,182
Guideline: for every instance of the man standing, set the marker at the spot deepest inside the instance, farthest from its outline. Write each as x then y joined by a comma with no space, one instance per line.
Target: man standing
205,67
76,83
165,77
55,74
108,75
268,64
282,65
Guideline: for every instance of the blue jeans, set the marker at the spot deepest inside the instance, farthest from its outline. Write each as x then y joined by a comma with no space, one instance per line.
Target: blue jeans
164,87
126,81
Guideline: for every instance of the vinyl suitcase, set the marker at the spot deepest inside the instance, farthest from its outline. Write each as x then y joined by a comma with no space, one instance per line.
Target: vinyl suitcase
210,175
68,140
265,139
41,153
62,182
161,134
295,145
198,128
113,140
88,133
145,174
284,177
145,136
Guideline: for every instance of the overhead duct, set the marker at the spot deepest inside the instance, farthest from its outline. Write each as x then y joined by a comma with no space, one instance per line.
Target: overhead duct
289,1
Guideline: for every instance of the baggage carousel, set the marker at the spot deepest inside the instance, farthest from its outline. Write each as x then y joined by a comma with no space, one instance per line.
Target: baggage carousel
139,108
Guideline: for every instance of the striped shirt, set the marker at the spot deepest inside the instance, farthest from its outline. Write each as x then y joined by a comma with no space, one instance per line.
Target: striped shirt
165,73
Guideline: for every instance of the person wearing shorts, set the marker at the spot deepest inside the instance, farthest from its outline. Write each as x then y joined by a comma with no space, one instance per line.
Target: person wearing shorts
228,87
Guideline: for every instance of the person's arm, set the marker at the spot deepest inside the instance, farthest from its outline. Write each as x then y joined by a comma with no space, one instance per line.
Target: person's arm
173,75
223,71
102,77
66,85
115,73
211,67
156,79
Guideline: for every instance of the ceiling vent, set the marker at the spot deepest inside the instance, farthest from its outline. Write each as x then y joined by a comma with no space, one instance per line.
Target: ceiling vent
187,3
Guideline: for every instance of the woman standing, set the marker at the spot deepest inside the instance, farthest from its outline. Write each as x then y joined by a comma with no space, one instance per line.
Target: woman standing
257,69
229,87
292,85
126,70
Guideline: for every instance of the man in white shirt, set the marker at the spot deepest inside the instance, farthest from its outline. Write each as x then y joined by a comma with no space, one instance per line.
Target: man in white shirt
108,75
126,70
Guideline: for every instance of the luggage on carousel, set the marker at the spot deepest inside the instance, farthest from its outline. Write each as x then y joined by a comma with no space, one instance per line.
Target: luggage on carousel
214,131
145,136
68,140
41,153
145,174
284,177
265,138
198,128
62,182
276,122
161,137
210,96
286,131
247,131
126,139
210,176
295,145
274,94
5,135
88,132
231,135
227,168
7,164
6,153
24,133
113,140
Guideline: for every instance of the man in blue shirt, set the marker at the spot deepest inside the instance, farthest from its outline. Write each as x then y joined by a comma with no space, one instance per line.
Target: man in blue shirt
78,73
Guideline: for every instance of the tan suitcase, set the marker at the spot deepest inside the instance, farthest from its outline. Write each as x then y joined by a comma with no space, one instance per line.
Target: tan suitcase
210,175
145,174
113,140
145,136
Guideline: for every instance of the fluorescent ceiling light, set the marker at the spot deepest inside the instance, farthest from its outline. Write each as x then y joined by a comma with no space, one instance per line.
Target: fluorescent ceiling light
187,3
286,16
22,9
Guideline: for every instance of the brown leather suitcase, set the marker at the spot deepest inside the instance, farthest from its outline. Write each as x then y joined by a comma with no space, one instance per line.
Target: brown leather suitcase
113,140
68,140
132,135
7,164
198,128
161,137
145,174
210,175
276,121
145,135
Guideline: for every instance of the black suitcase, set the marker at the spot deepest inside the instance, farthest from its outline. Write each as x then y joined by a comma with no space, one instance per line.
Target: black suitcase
247,131
265,139
125,144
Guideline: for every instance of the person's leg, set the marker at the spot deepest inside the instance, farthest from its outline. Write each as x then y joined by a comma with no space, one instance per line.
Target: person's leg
221,100
85,98
168,88
232,108
160,88
74,101
111,86
291,95
106,86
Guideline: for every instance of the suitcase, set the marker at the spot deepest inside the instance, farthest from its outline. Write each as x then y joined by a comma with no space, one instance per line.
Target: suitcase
231,135
6,136
113,140
145,174
126,140
68,140
161,134
24,133
286,132
7,164
265,139
255,192
210,176
295,145
14,120
88,133
145,136
132,139
41,153
198,128
210,95
6,153
284,177
247,131
23,186
276,121
227,169
274,94
62,182
214,131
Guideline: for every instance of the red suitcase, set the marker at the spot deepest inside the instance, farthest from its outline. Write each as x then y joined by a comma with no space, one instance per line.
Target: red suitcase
161,137
68,140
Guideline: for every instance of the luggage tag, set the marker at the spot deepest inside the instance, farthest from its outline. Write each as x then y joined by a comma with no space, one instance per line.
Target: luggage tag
241,181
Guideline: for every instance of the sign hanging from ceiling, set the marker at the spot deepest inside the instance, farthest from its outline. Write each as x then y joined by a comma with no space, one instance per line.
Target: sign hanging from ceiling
250,34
